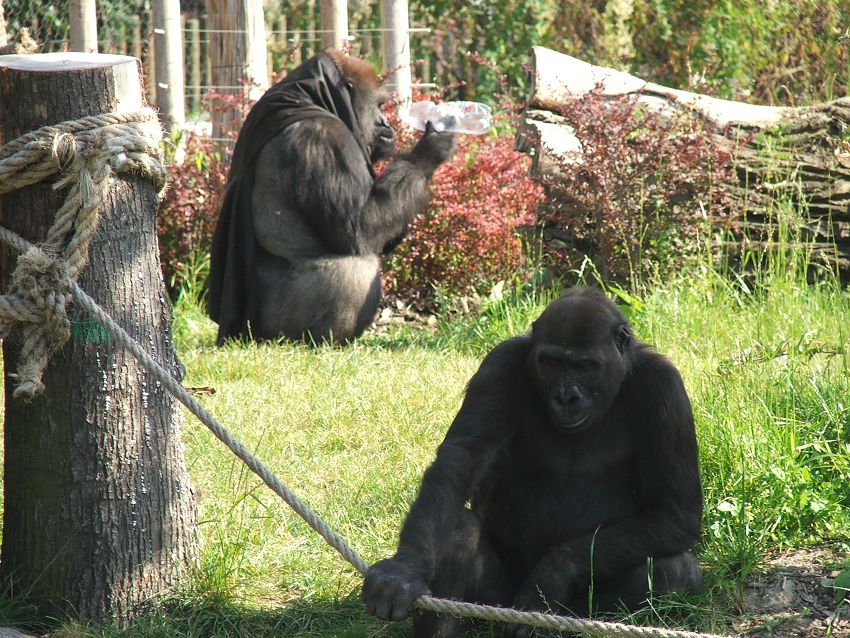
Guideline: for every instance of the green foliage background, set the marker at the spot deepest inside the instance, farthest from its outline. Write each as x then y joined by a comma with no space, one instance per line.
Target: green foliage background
767,51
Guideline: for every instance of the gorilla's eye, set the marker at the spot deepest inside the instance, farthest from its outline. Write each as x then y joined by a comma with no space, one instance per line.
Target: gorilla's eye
585,365
550,363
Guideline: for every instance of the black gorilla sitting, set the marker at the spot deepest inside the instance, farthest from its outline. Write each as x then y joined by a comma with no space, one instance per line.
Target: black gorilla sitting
296,251
575,448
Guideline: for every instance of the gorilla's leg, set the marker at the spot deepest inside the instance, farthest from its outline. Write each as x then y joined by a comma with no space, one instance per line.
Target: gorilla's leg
468,569
317,299
680,573
354,292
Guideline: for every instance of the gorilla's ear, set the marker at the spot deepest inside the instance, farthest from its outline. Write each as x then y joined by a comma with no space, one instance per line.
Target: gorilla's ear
622,337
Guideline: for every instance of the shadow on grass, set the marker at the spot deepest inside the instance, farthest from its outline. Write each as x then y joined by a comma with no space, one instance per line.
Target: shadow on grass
207,618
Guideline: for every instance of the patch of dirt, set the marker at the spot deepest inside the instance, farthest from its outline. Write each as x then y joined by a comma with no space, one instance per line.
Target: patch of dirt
394,312
418,309
793,596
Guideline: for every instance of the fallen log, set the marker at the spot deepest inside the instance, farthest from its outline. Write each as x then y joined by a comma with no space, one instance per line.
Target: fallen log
802,153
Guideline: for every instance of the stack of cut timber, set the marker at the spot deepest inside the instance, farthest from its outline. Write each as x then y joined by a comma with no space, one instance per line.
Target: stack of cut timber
815,142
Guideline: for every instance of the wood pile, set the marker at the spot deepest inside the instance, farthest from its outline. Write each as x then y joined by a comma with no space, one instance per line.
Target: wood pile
800,152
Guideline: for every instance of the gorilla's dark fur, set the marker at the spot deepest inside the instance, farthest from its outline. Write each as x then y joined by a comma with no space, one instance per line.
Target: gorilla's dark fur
296,251
575,449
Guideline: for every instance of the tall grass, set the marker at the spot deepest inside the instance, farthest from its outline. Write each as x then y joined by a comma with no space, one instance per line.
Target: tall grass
764,357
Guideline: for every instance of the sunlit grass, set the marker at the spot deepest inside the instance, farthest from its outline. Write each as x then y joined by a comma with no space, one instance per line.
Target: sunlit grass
351,430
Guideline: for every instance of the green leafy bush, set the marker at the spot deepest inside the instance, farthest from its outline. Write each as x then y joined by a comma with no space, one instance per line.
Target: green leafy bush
784,52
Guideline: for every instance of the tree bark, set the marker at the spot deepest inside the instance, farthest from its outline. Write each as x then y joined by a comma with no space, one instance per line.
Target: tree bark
99,513
801,152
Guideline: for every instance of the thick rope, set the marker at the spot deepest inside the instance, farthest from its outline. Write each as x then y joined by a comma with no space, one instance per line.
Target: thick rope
88,151
60,271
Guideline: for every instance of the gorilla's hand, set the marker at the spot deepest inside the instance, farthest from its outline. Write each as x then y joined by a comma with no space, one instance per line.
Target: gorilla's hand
390,587
433,148
383,139
551,582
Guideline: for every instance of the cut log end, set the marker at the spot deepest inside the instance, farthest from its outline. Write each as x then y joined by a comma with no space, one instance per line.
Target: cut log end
123,69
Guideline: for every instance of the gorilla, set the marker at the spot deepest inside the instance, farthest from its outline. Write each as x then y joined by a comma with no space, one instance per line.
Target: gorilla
296,250
575,450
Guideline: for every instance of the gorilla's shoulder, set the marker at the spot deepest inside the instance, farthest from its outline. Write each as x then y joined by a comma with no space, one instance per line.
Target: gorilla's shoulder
320,131
506,361
508,351
653,373
502,374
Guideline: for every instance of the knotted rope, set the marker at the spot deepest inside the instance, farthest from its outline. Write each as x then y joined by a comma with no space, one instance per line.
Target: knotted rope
57,261
87,152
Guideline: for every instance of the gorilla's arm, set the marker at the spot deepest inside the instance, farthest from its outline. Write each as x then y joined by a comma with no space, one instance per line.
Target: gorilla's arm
332,190
479,430
666,479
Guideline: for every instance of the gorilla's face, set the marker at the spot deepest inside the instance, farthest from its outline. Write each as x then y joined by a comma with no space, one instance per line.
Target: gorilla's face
579,358
367,98
379,135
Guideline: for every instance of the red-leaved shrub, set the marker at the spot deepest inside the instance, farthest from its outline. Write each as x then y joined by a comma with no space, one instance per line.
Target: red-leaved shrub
189,209
468,239
640,193
196,187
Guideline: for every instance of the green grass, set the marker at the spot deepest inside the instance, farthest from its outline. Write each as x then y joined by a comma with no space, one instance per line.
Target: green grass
351,430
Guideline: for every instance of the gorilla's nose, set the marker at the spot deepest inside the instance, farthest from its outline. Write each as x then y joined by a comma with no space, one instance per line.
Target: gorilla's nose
570,406
572,397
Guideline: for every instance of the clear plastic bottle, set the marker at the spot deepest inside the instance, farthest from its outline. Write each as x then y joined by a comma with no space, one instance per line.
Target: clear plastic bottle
472,118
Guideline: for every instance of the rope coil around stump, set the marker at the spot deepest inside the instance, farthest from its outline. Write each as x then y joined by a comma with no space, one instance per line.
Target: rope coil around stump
89,151
86,153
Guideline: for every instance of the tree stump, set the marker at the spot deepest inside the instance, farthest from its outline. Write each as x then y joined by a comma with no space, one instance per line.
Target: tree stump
99,514
802,153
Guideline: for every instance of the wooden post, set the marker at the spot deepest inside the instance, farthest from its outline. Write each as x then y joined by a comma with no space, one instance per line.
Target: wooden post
396,45
99,514
281,48
136,50
206,61
3,37
83,25
334,21
237,55
257,69
149,55
297,48
193,27
168,56
310,44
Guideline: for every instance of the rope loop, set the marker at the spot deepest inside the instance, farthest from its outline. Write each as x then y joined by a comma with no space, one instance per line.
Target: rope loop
86,154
